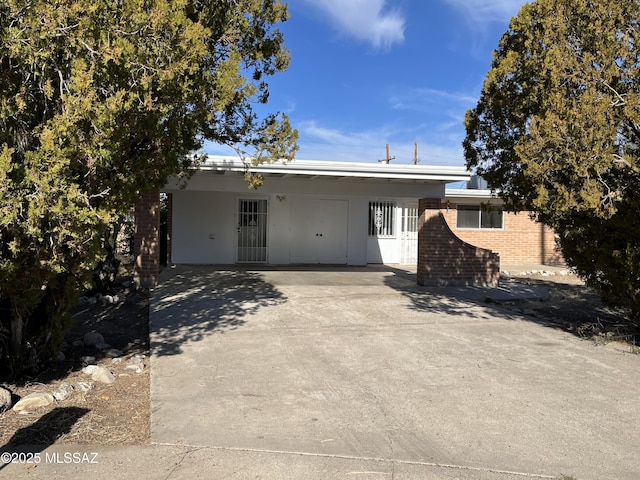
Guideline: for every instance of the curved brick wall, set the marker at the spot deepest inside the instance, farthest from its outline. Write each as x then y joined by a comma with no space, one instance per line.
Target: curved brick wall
444,259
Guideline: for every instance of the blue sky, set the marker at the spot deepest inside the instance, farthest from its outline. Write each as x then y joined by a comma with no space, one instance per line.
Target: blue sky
365,73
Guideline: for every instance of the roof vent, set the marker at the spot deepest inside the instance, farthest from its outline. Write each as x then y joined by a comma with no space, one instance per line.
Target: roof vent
477,183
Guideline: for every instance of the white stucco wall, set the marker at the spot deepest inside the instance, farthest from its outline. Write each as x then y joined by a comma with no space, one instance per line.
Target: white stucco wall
205,216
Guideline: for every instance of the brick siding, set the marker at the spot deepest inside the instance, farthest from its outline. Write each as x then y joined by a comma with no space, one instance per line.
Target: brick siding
445,259
146,240
169,225
522,240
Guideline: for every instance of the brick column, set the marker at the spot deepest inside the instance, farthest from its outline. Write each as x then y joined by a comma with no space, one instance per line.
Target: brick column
444,259
169,225
146,240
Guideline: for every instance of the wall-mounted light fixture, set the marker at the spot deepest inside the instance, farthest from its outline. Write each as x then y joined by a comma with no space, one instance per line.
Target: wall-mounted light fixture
281,198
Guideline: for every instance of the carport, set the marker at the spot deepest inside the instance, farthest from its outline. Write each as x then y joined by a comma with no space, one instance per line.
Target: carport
312,212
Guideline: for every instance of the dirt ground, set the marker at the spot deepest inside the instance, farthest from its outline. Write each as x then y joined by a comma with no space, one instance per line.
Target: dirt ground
573,307
109,414
119,413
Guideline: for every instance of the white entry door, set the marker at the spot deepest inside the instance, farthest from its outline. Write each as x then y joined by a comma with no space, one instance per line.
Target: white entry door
319,231
409,234
252,231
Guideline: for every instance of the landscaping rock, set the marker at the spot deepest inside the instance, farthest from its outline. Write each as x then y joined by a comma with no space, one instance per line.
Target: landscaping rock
113,353
103,375
105,300
84,386
60,357
87,359
92,339
33,402
136,363
5,399
63,392
78,343
90,369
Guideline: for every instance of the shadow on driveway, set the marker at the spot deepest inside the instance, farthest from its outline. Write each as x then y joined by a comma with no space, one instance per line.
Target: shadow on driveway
193,302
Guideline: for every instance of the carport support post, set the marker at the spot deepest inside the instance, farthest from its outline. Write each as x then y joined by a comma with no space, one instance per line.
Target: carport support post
146,240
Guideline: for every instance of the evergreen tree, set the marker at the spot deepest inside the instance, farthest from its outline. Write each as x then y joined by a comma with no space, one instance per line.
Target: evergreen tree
100,101
557,131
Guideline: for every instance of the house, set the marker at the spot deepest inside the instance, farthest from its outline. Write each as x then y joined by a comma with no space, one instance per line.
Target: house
475,215
311,212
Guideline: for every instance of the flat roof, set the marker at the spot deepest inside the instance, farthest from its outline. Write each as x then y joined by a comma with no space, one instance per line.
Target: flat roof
339,170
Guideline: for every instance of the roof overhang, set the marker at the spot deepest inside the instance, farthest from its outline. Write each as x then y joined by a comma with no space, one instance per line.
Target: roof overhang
310,169
472,195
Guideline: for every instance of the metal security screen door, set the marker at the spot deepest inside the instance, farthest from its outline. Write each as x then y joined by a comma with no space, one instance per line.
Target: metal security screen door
252,231
409,234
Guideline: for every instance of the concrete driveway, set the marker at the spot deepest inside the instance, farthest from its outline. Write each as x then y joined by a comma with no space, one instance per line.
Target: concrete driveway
359,373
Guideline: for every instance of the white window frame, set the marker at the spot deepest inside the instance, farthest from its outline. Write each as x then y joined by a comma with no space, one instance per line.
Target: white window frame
384,215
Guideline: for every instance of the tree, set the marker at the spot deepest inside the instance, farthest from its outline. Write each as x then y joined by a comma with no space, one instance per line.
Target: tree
100,101
557,131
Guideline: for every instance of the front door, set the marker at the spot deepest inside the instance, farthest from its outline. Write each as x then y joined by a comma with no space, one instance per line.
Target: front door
252,231
319,231
409,234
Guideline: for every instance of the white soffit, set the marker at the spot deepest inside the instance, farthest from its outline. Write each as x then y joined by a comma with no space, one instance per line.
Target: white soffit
313,169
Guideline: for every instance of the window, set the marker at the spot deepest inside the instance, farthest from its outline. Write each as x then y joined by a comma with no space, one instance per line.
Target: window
382,219
475,216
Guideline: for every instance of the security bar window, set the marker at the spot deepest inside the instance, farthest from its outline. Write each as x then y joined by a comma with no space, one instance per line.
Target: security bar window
474,216
382,219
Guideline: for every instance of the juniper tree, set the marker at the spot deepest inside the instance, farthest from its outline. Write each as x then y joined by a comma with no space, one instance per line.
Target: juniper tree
100,101
557,131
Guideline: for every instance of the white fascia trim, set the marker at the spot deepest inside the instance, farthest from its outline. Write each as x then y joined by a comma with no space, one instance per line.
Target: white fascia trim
343,169
469,193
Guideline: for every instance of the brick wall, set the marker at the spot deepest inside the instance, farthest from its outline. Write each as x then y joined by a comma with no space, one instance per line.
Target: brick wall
522,240
169,225
146,240
444,259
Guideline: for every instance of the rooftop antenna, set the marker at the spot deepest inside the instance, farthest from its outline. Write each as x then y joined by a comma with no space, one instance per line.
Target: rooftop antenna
388,158
415,153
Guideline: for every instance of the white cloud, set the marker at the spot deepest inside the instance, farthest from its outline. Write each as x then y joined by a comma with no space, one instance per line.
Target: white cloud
365,20
425,99
484,11
318,142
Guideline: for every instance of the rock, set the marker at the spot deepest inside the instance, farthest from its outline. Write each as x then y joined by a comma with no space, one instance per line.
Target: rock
115,361
102,346
529,311
127,283
5,399
84,386
88,359
90,369
92,339
63,392
113,353
92,300
105,300
136,363
103,375
78,343
33,402
60,357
